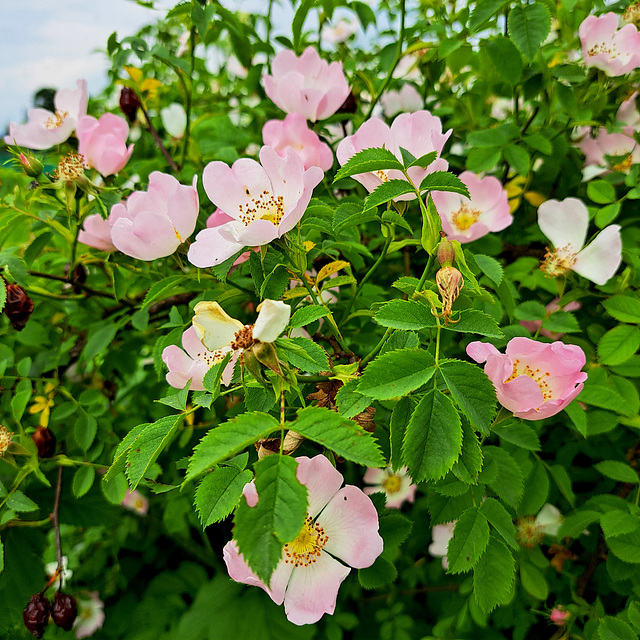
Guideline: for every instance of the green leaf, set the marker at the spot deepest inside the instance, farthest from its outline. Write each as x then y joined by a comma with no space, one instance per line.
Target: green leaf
97,342
380,573
350,402
298,22
575,523
561,322
83,480
490,267
262,531
229,439
115,490
607,214
469,541
394,530
472,391
423,161
303,354
505,58
539,143
20,397
484,10
623,308
1,557
493,576
615,523
618,344
483,159
618,471
533,581
344,437
21,503
404,314
478,322
122,450
443,181
563,482
373,159
518,433
3,296
601,191
85,429
500,520
397,426
218,493
388,190
433,439
348,214
604,397
626,546
211,379
578,416
166,286
177,400
469,464
149,445
509,483
610,628
307,315
529,25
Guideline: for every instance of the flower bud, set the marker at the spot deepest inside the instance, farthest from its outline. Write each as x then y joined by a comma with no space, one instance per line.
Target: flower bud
449,282
36,615
45,442
18,306
559,616
5,440
64,610
446,254
31,165
129,103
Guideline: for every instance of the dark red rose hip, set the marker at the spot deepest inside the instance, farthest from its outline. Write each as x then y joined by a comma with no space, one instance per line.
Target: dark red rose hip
129,103
45,441
36,614
18,307
64,610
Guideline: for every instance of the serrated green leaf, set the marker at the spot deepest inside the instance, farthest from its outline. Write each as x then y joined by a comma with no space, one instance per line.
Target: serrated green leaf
83,480
396,373
218,493
20,398
394,530
530,311
493,576
623,308
472,391
424,161
307,315
162,287
344,437
500,520
618,344
575,523
388,190
120,455
262,531
529,25
177,400
478,322
350,402
610,628
618,471
373,159
533,581
380,573
615,523
469,464
303,354
149,445
211,379
405,315
397,426
604,397
563,482
443,181
490,267
469,541
561,322
509,483
433,438
20,503
518,158
626,546
229,439
483,10
85,429
115,490
505,58
518,433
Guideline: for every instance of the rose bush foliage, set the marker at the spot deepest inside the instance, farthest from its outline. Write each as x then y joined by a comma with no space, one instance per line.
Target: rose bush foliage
438,297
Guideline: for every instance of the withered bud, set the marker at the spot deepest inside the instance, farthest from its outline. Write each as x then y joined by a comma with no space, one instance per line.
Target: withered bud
129,103
77,276
45,442
18,306
350,105
449,282
36,615
446,255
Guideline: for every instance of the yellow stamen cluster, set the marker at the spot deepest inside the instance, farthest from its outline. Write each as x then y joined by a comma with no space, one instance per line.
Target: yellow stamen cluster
464,217
624,165
5,440
383,175
243,338
56,120
527,533
70,168
264,207
210,357
392,483
306,548
558,261
535,374
603,47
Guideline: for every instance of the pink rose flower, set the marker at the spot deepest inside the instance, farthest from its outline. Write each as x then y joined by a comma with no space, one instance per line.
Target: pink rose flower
604,46
559,616
45,129
565,223
617,145
293,132
96,232
628,114
396,486
264,201
103,142
343,524
418,132
306,85
90,616
465,219
217,219
407,100
441,534
154,223
194,362
533,379
136,502
551,308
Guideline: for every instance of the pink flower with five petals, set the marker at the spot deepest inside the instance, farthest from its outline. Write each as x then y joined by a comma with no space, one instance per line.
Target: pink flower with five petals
533,379
615,51
103,142
343,527
307,85
265,201
419,133
96,233
397,486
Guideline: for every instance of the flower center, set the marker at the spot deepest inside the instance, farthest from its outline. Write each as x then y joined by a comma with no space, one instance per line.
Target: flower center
383,175
243,338
464,217
5,440
624,165
535,374
266,206
558,261
603,47
210,357
306,548
527,533
71,167
392,484
56,120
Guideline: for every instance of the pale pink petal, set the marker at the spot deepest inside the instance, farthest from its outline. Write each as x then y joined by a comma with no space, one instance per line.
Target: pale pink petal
182,209
147,237
322,480
480,351
96,232
210,248
564,222
273,317
214,327
599,260
374,476
313,590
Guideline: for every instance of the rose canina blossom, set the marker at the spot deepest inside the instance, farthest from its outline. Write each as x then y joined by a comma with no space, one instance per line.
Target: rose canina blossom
45,129
396,486
418,133
154,223
565,223
193,362
465,219
551,308
307,85
293,132
532,379
342,525
90,616
264,201
136,502
615,51
96,233
407,100
103,142
441,534
616,145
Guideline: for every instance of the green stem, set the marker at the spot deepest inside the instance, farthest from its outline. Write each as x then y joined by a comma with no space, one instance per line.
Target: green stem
423,278
377,348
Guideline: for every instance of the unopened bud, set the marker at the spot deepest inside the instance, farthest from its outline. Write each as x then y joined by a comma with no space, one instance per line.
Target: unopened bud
5,440
31,165
129,103
18,306
449,282
559,616
446,253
